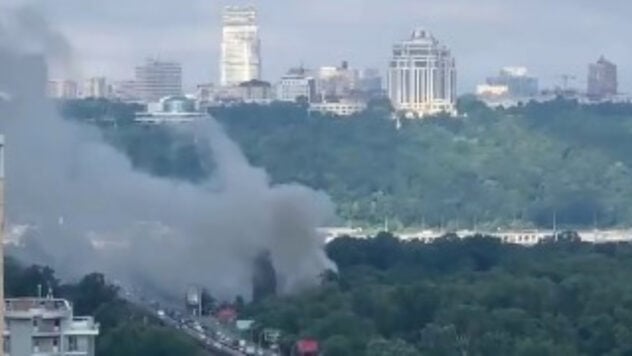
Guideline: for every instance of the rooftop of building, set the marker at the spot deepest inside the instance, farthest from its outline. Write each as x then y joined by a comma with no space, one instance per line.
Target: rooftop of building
603,61
421,35
239,15
514,71
296,71
36,304
255,83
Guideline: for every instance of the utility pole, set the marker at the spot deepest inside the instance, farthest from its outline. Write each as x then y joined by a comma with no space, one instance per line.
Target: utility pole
555,225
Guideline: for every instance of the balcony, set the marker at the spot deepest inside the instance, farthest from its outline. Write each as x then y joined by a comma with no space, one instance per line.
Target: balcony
82,326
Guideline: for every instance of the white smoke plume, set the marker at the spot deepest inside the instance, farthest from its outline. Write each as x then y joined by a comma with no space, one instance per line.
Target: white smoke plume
76,191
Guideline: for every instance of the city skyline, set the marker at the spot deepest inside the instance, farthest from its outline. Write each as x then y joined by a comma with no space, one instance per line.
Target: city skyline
483,36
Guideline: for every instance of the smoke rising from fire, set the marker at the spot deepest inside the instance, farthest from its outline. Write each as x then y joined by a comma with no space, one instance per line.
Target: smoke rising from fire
89,210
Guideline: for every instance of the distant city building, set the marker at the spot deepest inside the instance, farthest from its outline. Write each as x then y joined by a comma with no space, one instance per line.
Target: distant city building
255,91
96,87
171,110
296,84
63,89
240,50
204,95
519,84
492,91
125,90
228,94
370,81
44,326
421,77
340,108
602,79
337,82
156,79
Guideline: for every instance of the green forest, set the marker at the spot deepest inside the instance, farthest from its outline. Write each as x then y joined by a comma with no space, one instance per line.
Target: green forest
473,296
476,296
125,330
515,167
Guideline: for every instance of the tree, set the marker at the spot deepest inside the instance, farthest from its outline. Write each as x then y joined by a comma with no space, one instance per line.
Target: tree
91,292
208,302
140,340
338,346
382,347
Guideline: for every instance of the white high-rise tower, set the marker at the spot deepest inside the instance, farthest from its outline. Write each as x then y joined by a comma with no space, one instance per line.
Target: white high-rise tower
422,76
241,57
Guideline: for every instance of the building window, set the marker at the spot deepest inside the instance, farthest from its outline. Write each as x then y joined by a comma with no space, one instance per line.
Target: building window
72,343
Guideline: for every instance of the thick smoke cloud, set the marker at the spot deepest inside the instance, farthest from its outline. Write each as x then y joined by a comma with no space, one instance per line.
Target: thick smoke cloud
89,210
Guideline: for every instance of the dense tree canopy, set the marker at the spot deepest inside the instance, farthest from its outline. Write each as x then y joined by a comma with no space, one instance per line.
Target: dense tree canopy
489,168
464,297
124,329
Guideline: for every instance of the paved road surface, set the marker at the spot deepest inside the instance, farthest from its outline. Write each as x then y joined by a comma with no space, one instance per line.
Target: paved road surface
207,331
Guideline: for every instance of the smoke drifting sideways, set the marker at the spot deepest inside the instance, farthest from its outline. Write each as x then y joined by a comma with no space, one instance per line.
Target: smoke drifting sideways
88,210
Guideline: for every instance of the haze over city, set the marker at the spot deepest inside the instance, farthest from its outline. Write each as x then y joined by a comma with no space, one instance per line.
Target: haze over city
323,178
549,37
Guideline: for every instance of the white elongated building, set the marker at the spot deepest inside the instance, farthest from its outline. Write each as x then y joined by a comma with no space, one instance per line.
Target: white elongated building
421,78
241,46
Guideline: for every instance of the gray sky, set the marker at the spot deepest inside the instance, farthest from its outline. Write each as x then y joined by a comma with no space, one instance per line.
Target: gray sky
550,37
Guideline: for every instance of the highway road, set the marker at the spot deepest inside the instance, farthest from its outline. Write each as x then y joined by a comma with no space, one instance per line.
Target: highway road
207,331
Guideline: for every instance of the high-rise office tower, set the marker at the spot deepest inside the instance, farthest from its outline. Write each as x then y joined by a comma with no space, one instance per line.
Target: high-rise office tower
156,79
241,57
421,77
95,87
602,79
517,81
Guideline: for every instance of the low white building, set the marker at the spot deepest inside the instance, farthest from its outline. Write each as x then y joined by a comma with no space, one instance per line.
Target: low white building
46,327
339,108
63,89
171,110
